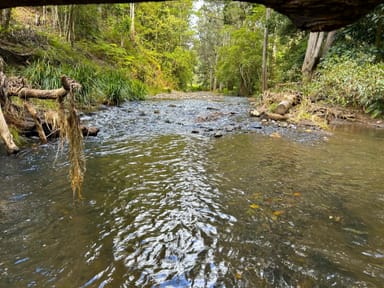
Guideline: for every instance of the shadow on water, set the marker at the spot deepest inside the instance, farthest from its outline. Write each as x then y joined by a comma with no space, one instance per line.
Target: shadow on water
166,208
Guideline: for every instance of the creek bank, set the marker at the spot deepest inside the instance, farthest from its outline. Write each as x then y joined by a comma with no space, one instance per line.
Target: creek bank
292,107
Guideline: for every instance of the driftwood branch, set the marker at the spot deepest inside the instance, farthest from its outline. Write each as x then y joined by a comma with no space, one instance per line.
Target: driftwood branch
38,122
35,125
6,135
17,87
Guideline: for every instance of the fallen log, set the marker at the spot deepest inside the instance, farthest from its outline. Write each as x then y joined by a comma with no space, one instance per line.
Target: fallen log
276,117
284,106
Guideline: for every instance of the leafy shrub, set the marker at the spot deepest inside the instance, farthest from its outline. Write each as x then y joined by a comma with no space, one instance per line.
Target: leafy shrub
351,82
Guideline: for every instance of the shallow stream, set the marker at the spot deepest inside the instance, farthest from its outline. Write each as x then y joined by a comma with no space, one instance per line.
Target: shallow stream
168,204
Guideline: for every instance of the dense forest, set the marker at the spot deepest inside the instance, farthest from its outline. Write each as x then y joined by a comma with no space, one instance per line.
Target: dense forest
127,51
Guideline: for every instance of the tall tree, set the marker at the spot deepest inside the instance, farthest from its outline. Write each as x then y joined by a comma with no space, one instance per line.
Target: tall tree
5,17
264,77
209,32
132,20
317,47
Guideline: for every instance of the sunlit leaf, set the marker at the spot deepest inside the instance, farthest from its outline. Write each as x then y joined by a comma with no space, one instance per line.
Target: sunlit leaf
238,275
275,135
254,206
278,212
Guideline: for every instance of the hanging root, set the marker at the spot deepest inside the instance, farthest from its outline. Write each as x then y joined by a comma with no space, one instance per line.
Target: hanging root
70,131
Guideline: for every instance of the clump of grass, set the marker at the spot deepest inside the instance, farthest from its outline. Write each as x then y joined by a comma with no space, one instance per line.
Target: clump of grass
117,88
114,86
304,112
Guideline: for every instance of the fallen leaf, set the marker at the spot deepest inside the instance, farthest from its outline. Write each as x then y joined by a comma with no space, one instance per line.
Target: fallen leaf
278,212
297,194
254,206
238,275
275,135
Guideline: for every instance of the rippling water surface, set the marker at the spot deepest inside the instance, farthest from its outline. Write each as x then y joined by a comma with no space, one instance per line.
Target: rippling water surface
168,208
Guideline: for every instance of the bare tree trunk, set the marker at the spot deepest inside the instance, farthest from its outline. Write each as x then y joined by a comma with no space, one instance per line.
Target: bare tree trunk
55,18
132,17
44,18
312,54
5,17
316,49
264,76
210,79
379,36
69,32
328,42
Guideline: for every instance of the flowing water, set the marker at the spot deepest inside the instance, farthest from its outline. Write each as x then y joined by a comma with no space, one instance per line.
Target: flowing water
167,207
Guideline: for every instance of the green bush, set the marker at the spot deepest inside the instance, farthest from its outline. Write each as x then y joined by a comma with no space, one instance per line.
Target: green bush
351,82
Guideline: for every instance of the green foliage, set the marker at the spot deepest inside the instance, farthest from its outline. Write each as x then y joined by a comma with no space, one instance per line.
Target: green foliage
239,65
117,88
365,34
113,86
46,75
290,57
351,82
180,62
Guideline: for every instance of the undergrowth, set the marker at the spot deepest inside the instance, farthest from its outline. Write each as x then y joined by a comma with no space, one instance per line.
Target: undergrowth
107,86
350,82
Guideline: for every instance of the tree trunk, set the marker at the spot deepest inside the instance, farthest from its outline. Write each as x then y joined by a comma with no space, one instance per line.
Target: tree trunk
70,24
132,18
5,17
328,43
44,18
379,37
312,54
264,76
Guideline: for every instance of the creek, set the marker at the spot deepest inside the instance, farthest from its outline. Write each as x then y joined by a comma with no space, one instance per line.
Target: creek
168,204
